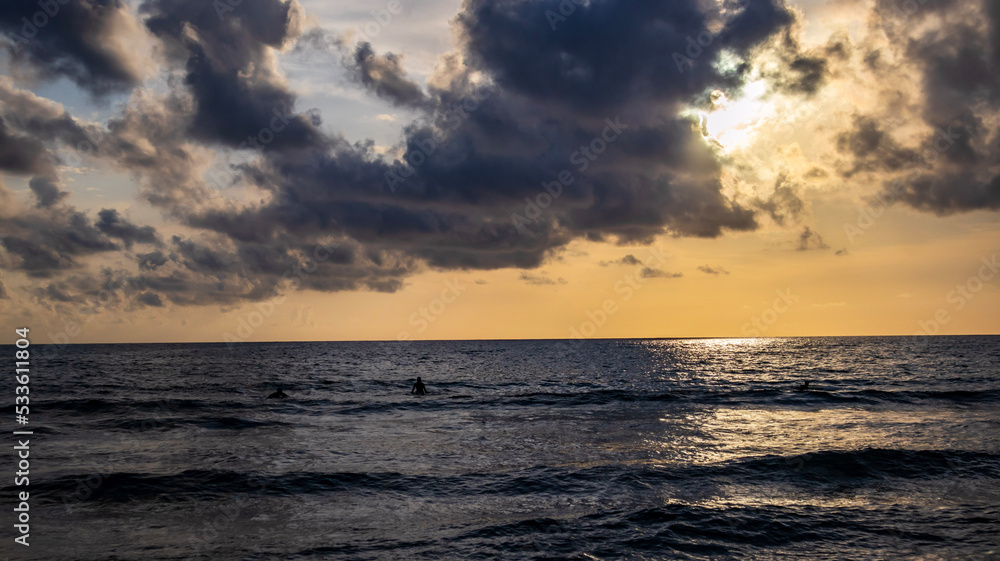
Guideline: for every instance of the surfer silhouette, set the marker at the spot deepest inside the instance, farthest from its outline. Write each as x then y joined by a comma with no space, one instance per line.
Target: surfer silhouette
419,388
278,394
804,386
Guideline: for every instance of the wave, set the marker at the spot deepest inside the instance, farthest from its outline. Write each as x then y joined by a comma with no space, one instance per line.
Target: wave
908,397
170,423
129,414
763,397
830,467
166,406
875,463
673,531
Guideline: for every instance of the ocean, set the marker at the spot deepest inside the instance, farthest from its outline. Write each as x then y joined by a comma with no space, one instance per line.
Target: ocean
579,450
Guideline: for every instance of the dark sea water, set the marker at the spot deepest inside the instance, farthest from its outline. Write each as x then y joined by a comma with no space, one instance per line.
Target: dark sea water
594,450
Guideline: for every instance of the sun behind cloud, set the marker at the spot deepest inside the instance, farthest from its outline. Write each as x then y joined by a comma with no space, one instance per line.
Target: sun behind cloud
734,124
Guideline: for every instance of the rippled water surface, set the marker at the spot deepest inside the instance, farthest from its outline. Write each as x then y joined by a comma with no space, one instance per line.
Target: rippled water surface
631,449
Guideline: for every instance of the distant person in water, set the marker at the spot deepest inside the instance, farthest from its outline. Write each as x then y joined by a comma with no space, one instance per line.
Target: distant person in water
804,386
419,388
278,394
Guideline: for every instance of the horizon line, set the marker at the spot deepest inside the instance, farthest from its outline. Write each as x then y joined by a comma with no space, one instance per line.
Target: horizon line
513,339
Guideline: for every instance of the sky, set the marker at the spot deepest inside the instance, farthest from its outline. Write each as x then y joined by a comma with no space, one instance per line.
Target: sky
268,170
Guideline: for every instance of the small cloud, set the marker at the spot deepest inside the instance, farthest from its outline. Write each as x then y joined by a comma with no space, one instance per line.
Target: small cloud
651,273
841,252
627,260
308,317
386,117
303,317
151,299
784,205
152,261
540,280
713,270
830,305
46,191
810,240
816,173
481,281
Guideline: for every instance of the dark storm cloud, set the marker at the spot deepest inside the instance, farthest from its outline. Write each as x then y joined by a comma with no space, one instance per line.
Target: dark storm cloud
59,292
4,294
46,243
41,118
150,137
35,259
574,100
52,238
955,46
150,299
70,39
384,75
31,128
113,225
214,271
949,193
960,61
596,101
22,154
151,261
636,207
200,274
345,193
873,149
608,53
596,95
86,292
79,236
240,100
755,23
202,258
55,238
46,191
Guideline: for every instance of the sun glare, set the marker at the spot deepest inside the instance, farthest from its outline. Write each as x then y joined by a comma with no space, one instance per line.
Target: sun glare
733,124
